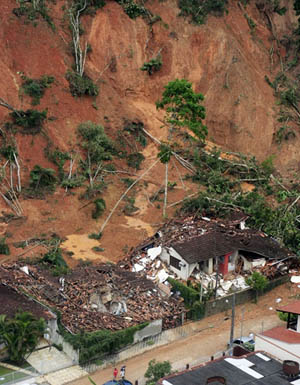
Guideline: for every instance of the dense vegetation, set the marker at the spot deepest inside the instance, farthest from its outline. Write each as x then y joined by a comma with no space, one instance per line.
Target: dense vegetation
96,345
20,334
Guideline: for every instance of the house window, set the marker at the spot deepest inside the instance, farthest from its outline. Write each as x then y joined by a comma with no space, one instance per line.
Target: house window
175,262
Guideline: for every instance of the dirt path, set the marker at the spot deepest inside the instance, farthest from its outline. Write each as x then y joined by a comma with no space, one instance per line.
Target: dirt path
209,337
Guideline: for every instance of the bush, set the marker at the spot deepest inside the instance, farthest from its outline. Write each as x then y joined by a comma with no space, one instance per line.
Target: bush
99,208
42,178
132,9
136,130
81,85
36,88
189,294
4,249
258,282
31,120
198,10
28,10
135,159
157,370
153,65
98,344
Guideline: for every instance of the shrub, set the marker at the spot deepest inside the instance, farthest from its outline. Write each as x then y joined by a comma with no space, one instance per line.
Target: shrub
42,178
36,88
258,282
157,370
31,120
56,262
32,13
132,9
136,129
97,344
81,85
135,159
95,235
197,10
189,294
8,151
153,65
99,208
4,249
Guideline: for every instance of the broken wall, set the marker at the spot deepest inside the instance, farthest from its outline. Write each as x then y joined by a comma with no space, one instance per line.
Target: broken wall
154,328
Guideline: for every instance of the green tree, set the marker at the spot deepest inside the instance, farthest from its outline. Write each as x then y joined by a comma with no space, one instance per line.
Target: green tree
297,9
258,282
98,148
20,334
183,107
157,370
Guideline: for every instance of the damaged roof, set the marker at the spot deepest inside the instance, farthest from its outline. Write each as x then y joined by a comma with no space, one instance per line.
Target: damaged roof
11,301
94,297
200,239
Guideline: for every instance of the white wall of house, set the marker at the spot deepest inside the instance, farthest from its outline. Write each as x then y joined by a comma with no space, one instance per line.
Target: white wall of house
184,270
279,349
232,260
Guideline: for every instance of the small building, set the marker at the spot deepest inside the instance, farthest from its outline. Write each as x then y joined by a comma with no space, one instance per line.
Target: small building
252,369
215,245
284,342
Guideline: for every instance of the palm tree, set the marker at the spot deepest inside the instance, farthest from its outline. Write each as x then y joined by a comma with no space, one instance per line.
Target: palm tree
21,334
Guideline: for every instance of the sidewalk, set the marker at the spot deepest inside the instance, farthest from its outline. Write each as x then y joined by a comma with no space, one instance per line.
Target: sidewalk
211,335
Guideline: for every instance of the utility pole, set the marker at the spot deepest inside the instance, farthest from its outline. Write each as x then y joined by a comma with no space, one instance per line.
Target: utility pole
242,321
217,276
232,320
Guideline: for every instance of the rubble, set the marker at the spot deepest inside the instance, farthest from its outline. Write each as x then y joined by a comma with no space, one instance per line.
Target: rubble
95,297
256,251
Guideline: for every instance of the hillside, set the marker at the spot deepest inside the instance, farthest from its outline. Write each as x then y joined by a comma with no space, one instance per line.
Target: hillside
227,59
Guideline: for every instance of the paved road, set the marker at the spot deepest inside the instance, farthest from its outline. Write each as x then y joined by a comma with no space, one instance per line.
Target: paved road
211,336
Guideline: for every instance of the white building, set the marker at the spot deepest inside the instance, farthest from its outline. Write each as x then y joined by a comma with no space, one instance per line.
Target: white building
283,342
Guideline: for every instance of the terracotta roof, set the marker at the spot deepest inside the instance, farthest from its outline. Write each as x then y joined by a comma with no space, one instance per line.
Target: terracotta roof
293,307
90,296
282,334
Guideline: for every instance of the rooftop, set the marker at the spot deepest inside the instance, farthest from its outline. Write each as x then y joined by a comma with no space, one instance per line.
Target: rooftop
282,334
293,307
90,298
11,302
200,239
253,369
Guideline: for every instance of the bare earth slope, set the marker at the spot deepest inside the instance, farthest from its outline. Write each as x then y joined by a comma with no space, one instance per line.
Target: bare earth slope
223,59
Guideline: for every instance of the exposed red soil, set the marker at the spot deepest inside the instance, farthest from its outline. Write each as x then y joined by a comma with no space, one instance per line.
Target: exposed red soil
222,60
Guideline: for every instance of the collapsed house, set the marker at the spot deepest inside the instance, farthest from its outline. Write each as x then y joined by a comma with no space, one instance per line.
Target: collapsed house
205,247
91,298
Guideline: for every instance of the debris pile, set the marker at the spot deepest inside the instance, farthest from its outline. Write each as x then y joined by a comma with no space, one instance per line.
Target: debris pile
210,238
95,297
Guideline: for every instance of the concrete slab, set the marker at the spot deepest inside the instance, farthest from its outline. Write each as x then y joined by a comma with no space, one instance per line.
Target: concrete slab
62,376
48,359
